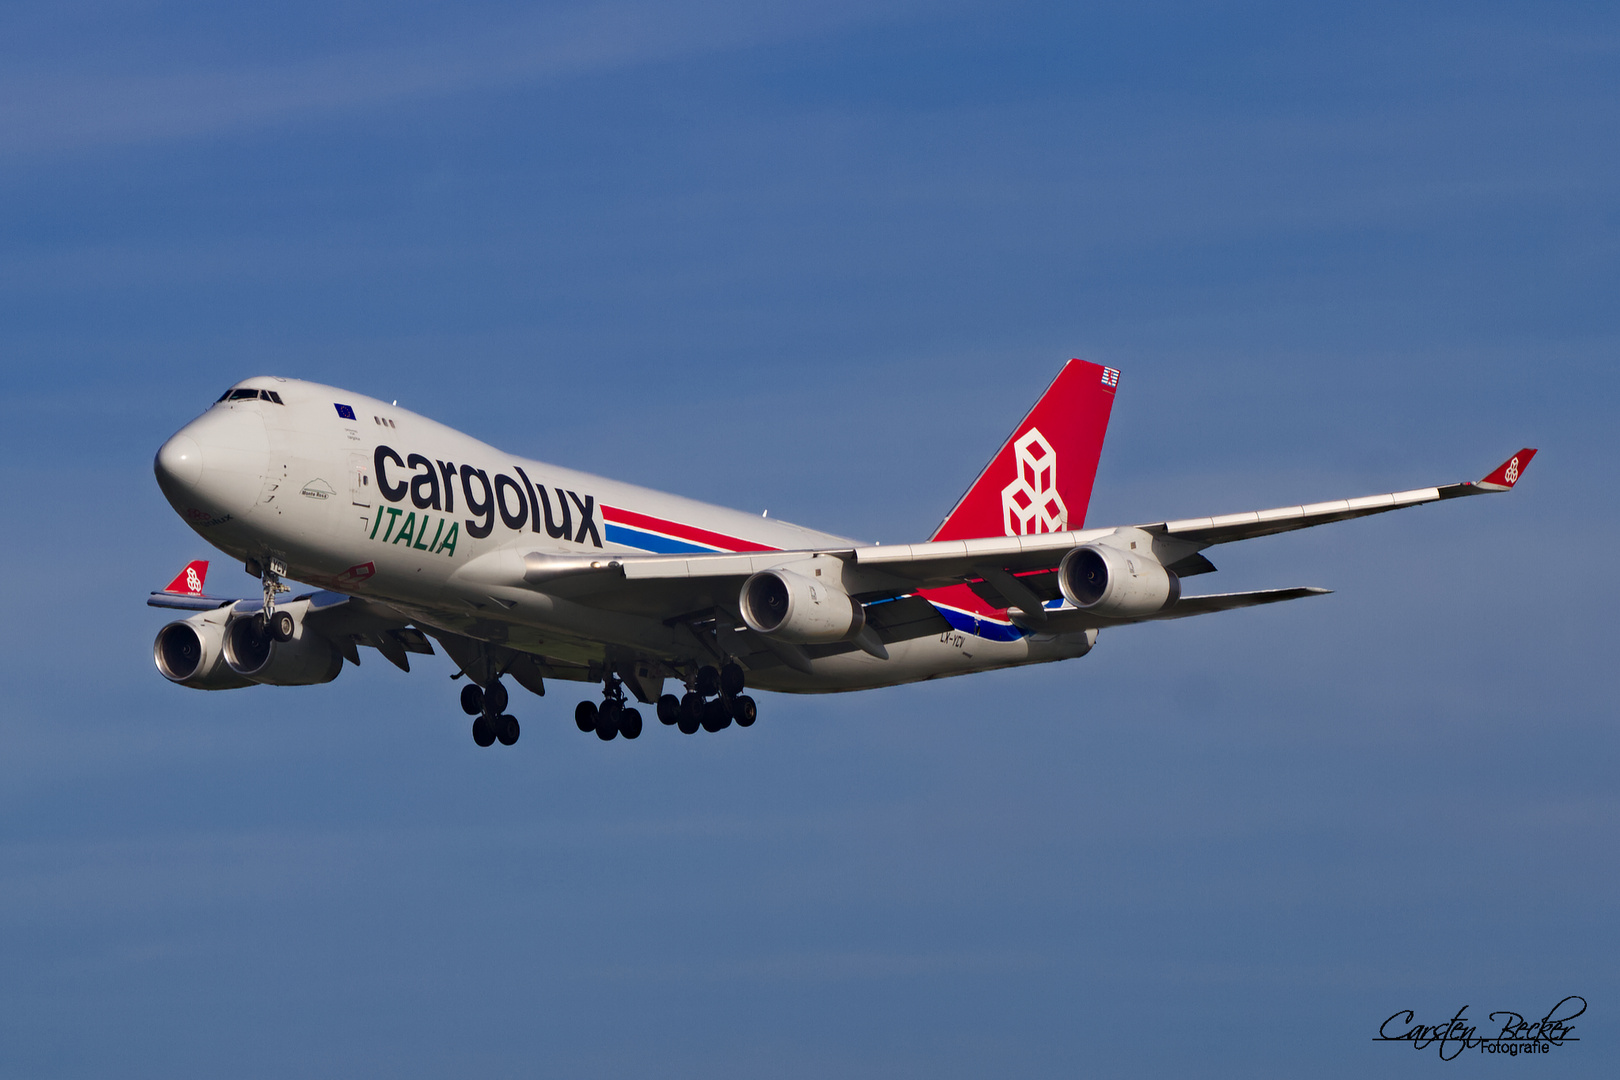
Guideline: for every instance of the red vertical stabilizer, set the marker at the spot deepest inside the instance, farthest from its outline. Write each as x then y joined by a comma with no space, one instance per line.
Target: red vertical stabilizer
1040,480
189,582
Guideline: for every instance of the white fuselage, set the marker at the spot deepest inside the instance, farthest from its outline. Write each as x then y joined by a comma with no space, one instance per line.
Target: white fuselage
390,505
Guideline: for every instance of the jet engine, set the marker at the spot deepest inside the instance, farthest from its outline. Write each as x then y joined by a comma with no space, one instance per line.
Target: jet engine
1116,583
803,610
253,653
192,653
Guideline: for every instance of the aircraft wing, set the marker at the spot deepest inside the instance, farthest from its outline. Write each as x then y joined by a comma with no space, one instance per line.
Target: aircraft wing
1178,539
349,621
1006,570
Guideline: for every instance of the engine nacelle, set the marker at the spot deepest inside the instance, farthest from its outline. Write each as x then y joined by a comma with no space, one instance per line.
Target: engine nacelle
799,609
192,653
254,654
1116,583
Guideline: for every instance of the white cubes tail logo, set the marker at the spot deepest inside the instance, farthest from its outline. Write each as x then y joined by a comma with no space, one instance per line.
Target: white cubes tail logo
1512,473
1031,503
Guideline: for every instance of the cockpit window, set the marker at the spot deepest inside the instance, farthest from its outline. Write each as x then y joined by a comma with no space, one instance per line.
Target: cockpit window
245,394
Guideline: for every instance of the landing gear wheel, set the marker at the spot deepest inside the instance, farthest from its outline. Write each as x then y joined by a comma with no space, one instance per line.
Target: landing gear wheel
691,707
506,729
472,700
669,709
585,715
708,680
731,680
495,698
630,723
483,731
743,710
281,626
687,724
715,716
607,721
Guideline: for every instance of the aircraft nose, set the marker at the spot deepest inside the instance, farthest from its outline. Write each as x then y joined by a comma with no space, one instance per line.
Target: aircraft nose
214,467
179,461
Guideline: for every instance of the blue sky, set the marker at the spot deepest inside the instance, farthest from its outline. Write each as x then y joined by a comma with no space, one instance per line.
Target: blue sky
820,262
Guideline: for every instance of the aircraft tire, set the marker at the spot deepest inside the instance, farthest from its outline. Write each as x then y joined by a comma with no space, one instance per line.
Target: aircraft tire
607,721
687,724
669,709
495,698
731,680
708,680
483,731
716,716
743,710
630,723
585,716
281,626
507,729
472,699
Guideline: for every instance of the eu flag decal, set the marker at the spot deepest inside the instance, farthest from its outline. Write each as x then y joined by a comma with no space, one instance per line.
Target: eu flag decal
343,411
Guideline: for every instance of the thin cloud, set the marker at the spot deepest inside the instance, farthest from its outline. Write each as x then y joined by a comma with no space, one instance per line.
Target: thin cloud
59,108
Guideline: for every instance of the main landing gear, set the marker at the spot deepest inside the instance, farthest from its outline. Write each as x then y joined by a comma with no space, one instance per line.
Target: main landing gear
713,700
610,719
492,723
695,708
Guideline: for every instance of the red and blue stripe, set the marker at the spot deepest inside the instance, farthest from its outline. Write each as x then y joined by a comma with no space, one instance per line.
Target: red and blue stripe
664,537
968,612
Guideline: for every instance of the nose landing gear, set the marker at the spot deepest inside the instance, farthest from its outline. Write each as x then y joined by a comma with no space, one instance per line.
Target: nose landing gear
278,624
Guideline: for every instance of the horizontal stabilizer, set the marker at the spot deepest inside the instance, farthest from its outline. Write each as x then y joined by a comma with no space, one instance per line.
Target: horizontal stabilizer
1069,620
188,602
1203,605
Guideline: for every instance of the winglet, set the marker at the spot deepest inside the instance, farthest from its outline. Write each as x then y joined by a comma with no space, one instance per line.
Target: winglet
189,582
1507,474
